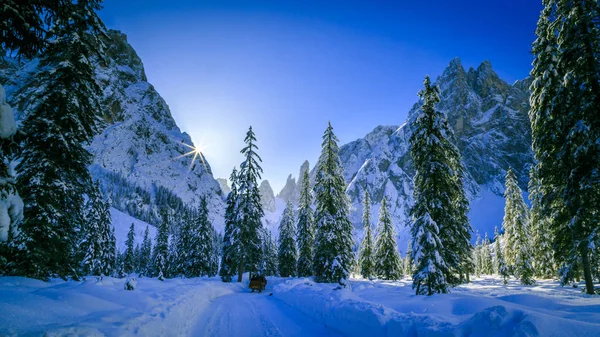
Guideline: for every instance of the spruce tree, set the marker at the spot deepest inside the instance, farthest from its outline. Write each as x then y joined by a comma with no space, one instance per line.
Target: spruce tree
270,254
477,256
146,254
409,264
250,211
287,253
541,235
231,249
203,246
487,266
306,230
387,259
517,244
333,243
217,248
161,248
59,106
440,231
565,125
95,245
501,267
366,254
129,259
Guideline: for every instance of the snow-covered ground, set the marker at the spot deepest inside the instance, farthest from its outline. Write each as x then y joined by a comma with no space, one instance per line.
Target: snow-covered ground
122,221
297,307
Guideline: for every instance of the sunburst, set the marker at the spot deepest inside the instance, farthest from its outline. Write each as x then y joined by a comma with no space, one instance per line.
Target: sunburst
195,151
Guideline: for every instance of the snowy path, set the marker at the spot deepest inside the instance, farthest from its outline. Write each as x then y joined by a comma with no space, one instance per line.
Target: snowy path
251,314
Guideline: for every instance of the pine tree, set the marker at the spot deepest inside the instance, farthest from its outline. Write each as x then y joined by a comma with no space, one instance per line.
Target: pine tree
203,242
95,245
477,256
387,258
270,254
541,235
174,267
59,105
441,232
333,243
517,245
217,248
409,264
487,266
366,255
161,248
501,267
250,212
565,101
287,253
306,230
129,260
230,248
146,254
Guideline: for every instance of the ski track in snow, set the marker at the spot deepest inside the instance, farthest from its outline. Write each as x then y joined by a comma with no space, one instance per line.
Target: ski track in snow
254,315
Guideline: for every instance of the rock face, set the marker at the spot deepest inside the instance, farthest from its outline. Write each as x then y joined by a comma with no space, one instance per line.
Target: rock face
140,144
267,197
224,184
291,190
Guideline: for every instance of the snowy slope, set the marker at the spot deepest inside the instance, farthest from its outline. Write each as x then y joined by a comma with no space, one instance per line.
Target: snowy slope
139,140
122,221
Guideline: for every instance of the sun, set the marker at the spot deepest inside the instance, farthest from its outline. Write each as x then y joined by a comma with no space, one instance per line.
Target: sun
195,151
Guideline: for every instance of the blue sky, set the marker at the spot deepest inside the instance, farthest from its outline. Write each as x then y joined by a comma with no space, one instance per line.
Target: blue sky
287,67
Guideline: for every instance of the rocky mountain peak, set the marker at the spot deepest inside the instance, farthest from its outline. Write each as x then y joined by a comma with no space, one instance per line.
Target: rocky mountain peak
267,197
224,185
119,50
287,192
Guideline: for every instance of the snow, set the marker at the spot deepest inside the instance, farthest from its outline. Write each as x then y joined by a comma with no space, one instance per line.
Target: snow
7,119
122,221
297,307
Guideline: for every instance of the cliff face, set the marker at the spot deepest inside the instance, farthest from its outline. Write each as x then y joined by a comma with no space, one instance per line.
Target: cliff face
140,144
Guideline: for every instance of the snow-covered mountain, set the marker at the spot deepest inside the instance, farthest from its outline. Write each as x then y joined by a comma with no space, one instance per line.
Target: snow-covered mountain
492,130
291,190
224,184
140,149
267,197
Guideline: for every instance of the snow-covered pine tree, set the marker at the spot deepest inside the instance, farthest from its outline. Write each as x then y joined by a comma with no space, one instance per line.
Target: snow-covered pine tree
565,125
441,231
11,205
59,106
409,264
146,254
270,252
287,253
487,266
477,256
95,236
366,254
174,266
161,248
186,249
333,243
230,254
250,211
217,248
501,268
517,243
541,235
387,258
129,259
204,239
306,229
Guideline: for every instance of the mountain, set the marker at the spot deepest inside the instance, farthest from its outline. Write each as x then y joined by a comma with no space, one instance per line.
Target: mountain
267,197
139,155
492,131
224,184
291,190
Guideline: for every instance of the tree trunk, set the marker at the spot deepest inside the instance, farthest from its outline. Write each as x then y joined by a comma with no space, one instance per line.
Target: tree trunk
240,270
587,270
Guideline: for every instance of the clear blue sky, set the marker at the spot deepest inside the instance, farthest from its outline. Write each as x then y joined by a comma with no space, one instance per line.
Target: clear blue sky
287,67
